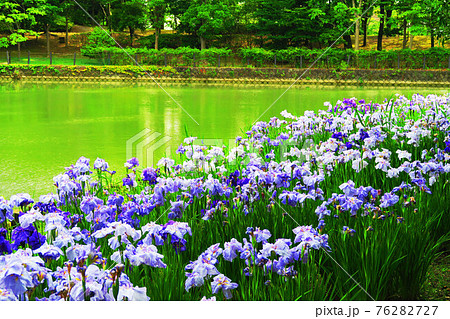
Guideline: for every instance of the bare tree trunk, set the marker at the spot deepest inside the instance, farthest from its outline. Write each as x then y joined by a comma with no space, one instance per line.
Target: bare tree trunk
405,39
157,32
109,19
432,38
388,25
357,24
67,31
411,38
348,41
18,43
202,43
47,35
131,36
380,30
364,26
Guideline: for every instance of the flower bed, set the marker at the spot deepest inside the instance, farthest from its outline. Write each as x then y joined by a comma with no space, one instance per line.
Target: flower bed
347,204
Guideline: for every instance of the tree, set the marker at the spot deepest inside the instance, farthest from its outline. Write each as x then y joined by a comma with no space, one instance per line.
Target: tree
208,19
280,22
129,14
157,13
443,32
381,27
19,17
176,9
67,7
357,6
50,10
330,22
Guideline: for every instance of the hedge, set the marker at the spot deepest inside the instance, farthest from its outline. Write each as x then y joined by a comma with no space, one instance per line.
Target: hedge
434,58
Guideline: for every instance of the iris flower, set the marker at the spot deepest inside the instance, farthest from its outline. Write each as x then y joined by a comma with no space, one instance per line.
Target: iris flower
221,282
17,279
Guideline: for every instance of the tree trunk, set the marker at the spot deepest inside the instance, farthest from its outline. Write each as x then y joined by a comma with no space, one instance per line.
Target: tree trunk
411,38
364,27
157,32
109,19
67,31
380,30
405,39
348,41
131,36
388,25
47,35
18,43
432,38
357,24
202,43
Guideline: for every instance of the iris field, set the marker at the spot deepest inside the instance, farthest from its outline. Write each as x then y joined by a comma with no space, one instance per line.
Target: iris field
351,203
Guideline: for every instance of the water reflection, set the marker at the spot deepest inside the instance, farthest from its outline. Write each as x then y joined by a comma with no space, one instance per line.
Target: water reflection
45,128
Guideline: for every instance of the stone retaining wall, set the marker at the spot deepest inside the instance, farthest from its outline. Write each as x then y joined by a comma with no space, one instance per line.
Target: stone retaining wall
233,76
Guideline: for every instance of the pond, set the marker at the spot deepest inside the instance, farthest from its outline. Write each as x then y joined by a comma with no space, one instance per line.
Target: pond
46,127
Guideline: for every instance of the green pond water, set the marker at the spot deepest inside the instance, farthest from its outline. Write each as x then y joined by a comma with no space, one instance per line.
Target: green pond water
47,127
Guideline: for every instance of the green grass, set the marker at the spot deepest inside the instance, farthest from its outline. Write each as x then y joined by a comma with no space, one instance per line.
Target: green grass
55,60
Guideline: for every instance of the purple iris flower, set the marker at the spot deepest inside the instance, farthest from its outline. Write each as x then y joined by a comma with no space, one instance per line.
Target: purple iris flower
232,249
403,186
388,200
247,250
282,180
16,279
177,209
47,251
195,279
363,135
89,203
145,254
348,231
129,181
261,235
5,245
132,163
150,175
338,136
221,282
176,229
321,225
101,164
214,250
158,196
352,204
154,232
21,200
115,199
6,210
322,211
22,236
7,295
180,149
348,188
213,298
447,147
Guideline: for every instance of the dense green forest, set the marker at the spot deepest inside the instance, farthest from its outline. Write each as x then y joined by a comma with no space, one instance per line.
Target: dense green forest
270,24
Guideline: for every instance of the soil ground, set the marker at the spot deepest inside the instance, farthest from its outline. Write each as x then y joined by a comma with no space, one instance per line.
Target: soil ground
437,286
